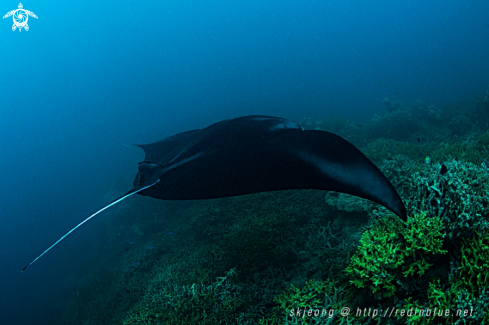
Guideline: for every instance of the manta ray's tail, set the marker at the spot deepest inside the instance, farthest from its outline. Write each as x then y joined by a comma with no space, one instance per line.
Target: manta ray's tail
131,192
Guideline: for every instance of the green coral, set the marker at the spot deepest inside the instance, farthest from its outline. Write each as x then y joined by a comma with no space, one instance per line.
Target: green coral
457,202
423,240
274,239
391,248
473,272
468,287
317,302
218,303
378,255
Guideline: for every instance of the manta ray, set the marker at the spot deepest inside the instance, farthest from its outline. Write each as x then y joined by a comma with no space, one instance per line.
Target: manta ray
253,154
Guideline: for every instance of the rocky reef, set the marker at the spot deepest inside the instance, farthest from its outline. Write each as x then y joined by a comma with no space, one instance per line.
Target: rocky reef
302,257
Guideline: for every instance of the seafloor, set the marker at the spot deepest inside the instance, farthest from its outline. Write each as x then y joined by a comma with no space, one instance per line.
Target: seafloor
282,257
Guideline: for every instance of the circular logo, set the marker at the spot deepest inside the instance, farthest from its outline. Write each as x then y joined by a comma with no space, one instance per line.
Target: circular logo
20,18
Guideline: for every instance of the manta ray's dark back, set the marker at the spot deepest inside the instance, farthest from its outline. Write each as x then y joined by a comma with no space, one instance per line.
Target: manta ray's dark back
254,154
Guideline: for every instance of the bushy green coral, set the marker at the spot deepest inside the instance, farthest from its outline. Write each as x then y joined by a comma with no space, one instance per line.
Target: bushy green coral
423,240
289,237
218,303
298,305
379,254
473,271
458,201
467,289
459,197
312,295
391,248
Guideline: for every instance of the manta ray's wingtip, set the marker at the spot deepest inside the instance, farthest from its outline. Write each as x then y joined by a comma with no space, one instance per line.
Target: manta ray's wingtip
403,213
397,207
394,203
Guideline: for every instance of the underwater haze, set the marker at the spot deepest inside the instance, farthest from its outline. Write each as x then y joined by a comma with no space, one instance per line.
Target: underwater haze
91,76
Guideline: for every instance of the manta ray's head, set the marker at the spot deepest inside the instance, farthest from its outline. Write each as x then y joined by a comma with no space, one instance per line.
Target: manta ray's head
149,173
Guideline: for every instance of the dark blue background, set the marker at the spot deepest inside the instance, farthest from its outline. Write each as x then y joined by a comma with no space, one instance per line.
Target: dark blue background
91,75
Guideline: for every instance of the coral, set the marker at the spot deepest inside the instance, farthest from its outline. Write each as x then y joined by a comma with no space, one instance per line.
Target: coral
483,141
260,243
426,112
473,148
382,149
467,289
256,258
423,241
379,253
399,170
258,231
328,248
460,196
216,303
473,272
404,123
391,248
312,303
448,211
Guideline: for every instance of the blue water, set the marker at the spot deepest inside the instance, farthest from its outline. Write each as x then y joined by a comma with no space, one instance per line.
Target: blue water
90,76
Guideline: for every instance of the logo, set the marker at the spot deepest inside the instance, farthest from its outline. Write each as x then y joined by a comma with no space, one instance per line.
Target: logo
20,16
